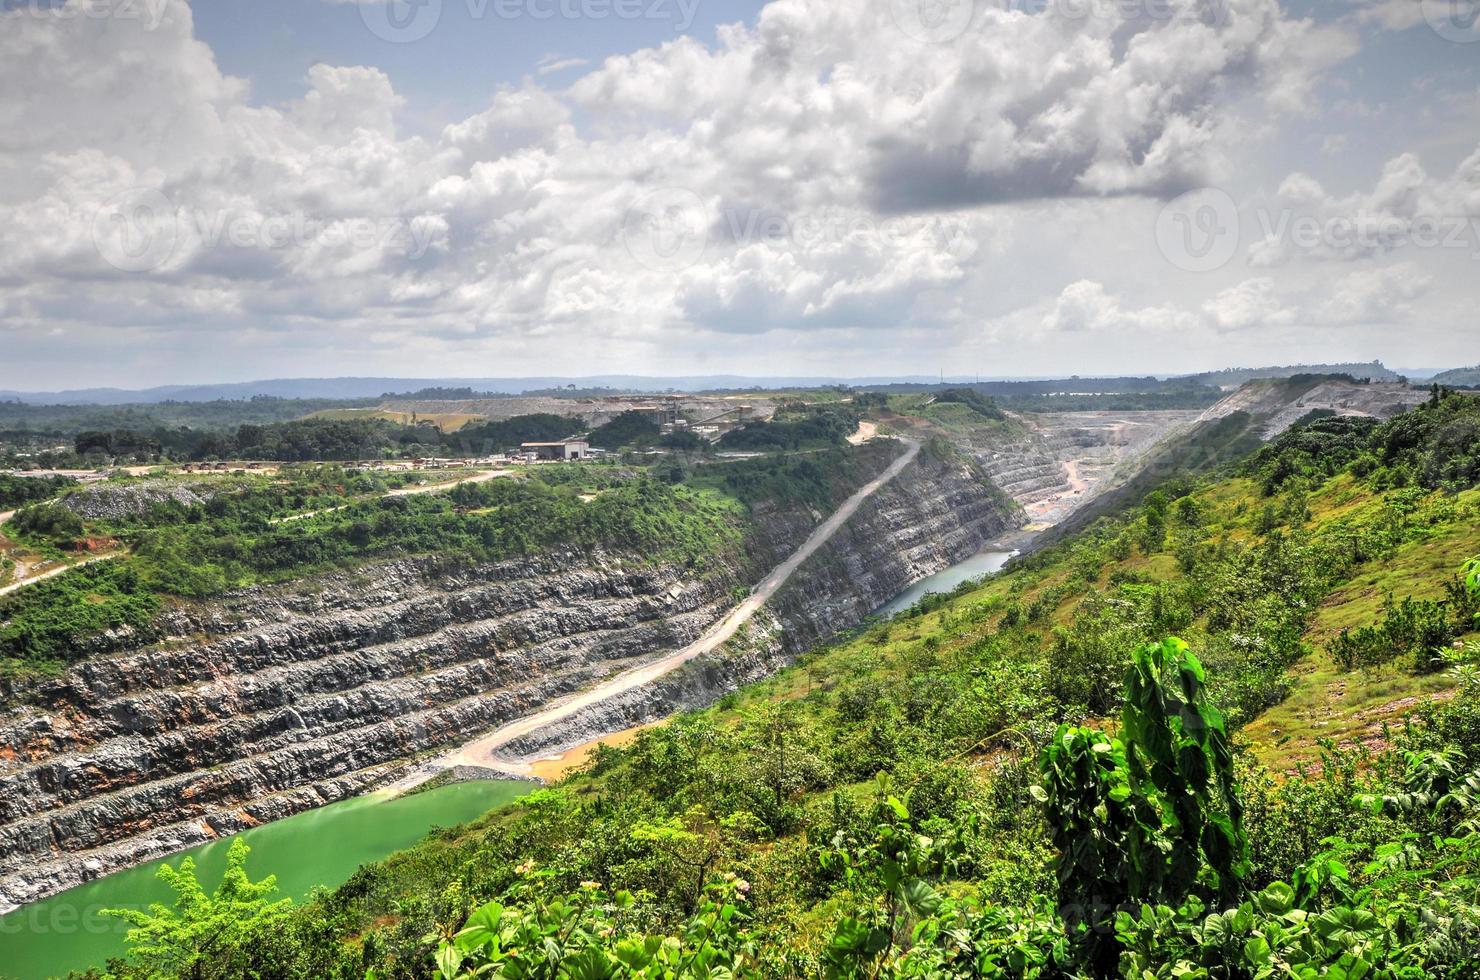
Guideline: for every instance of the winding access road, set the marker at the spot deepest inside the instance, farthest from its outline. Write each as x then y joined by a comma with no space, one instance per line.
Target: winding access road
482,752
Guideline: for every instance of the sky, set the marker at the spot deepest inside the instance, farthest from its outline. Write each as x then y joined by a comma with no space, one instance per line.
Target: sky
227,190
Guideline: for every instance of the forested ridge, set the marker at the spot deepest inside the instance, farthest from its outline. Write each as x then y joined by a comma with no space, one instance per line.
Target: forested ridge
258,532
204,537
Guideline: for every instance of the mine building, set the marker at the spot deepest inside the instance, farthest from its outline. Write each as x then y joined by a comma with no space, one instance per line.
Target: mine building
564,450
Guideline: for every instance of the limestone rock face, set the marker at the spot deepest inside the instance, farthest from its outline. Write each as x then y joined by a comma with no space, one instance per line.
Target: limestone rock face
109,501
276,700
937,514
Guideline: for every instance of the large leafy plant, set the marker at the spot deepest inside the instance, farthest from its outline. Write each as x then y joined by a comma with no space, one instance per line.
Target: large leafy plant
1269,935
1471,575
1151,816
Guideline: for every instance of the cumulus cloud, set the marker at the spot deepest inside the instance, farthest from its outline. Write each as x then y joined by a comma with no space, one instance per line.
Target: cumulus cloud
1086,306
163,195
1381,296
1377,296
1252,303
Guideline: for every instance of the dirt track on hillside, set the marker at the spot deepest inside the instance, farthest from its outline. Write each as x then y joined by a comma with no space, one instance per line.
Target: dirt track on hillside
483,751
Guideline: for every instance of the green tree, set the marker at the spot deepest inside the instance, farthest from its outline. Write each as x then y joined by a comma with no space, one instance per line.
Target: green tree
49,523
1471,575
216,929
631,428
694,844
894,866
1154,532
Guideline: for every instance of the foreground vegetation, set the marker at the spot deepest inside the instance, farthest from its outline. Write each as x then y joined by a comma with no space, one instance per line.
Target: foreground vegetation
1024,778
1144,854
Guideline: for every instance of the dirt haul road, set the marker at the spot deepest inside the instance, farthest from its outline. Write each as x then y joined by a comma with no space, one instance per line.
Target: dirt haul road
482,752
50,573
23,575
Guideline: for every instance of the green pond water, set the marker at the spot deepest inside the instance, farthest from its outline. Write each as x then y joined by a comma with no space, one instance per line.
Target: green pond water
320,847
985,563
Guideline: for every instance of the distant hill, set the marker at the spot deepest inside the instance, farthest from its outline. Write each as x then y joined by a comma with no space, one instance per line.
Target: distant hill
363,388
1460,377
1020,387
1372,371
357,388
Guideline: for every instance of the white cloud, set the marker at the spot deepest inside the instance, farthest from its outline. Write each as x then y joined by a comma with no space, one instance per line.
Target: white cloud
1391,15
1374,296
930,169
550,64
1251,304
1381,295
1086,306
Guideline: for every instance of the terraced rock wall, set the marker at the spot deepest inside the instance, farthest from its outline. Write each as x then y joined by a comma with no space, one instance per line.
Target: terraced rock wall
281,699
301,697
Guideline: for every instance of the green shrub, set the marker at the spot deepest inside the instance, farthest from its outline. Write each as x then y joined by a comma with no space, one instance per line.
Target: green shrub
1421,628
47,523
1150,817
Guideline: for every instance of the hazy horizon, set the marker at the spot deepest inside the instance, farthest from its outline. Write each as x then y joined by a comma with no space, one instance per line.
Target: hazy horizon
370,387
